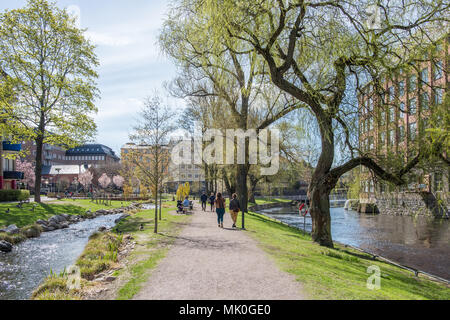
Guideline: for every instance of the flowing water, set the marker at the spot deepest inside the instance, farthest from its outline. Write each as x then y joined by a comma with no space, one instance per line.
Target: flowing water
419,242
30,262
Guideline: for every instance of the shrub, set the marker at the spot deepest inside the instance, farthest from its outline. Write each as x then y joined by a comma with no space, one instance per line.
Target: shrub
14,195
12,238
32,231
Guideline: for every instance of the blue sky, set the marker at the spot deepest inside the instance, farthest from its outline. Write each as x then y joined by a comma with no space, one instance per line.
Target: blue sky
131,64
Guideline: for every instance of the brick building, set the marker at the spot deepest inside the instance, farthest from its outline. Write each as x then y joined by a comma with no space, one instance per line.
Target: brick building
392,125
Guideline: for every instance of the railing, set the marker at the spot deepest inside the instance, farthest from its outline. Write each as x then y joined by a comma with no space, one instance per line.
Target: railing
8,146
13,175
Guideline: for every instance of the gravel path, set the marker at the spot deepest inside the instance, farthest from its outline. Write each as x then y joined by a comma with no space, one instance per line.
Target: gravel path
209,263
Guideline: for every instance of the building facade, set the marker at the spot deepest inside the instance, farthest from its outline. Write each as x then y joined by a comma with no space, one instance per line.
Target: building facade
9,176
87,154
392,126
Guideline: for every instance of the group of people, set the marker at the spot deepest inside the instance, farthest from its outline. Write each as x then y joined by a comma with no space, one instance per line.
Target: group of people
218,202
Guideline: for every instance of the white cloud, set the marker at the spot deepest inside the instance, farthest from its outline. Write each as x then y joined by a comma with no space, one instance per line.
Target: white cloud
111,40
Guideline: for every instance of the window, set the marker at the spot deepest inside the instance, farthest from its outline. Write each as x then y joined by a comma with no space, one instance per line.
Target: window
401,88
383,138
370,123
412,131
438,68
424,77
391,93
412,106
402,110
370,143
401,131
383,118
370,104
438,94
391,137
412,83
391,114
425,101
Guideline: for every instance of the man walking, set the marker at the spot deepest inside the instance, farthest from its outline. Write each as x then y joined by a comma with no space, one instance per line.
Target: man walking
203,199
234,209
212,198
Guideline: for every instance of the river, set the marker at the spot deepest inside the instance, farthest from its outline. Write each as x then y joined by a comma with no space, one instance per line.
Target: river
30,262
419,242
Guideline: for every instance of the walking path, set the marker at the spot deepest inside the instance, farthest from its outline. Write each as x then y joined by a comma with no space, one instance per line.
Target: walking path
209,263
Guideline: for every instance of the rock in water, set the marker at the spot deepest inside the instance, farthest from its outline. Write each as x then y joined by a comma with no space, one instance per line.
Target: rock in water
5,246
12,229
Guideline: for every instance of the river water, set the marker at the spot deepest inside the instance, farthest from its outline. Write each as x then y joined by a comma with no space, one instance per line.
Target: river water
419,242
30,262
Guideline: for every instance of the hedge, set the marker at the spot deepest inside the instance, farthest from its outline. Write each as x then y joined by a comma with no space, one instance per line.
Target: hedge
14,195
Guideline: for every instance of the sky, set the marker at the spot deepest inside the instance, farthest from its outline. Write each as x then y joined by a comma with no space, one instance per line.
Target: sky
131,63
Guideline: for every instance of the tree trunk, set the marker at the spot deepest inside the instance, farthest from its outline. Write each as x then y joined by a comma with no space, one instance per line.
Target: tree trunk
241,185
321,186
251,193
319,209
156,210
38,168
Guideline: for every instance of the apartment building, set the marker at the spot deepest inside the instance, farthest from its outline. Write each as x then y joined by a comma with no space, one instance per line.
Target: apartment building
393,123
9,176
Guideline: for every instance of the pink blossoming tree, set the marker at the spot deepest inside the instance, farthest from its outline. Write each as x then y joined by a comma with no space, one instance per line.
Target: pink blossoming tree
28,169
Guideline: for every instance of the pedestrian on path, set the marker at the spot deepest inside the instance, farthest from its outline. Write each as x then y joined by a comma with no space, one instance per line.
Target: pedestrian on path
203,199
212,198
220,209
234,209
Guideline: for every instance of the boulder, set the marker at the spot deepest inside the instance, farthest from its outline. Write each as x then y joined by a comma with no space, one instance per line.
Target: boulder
42,222
12,229
64,225
125,215
5,246
102,229
48,228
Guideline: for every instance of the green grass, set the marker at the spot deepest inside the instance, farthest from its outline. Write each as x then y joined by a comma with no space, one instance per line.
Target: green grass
339,273
150,248
268,200
100,254
26,216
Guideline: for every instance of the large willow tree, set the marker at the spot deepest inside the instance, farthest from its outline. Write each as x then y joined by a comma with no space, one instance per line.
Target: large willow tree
228,72
316,51
48,66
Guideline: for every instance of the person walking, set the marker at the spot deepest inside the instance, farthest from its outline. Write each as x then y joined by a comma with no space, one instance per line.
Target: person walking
212,198
220,209
234,209
203,199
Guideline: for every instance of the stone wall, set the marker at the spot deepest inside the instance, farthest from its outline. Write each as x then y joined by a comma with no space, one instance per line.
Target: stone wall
413,203
269,206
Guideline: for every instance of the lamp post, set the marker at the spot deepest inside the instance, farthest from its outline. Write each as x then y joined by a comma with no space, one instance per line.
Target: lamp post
57,187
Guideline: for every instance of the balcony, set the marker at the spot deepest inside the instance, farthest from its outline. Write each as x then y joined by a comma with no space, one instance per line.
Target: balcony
8,146
12,175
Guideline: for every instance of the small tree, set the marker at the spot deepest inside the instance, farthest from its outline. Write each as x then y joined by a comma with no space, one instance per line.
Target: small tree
152,131
118,181
104,181
28,170
85,179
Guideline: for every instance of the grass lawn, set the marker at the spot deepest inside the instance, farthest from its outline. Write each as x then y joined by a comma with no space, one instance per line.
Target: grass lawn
150,247
339,273
267,200
25,216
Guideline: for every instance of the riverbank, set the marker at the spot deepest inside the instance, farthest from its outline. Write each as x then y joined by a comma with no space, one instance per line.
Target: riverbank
339,273
30,220
114,265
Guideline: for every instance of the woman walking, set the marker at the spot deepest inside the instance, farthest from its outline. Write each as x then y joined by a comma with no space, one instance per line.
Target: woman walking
220,209
234,208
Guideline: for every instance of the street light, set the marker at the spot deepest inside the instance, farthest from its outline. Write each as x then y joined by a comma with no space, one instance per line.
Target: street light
57,188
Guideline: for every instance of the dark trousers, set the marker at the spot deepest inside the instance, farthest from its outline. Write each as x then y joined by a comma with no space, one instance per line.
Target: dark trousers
203,205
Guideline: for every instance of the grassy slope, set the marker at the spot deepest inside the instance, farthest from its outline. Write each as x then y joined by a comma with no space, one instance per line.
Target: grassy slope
338,273
25,216
267,200
150,248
